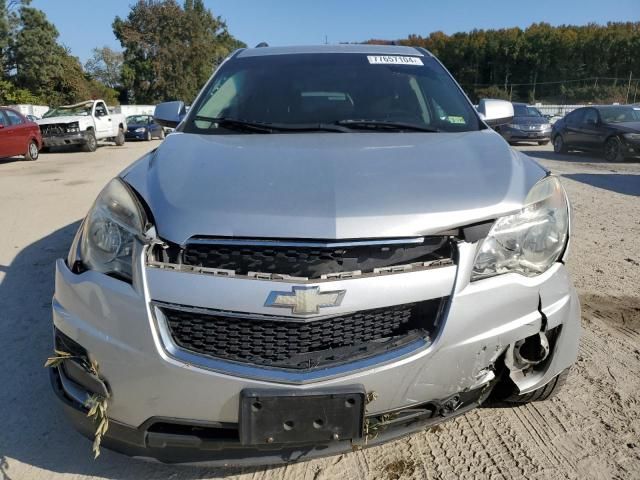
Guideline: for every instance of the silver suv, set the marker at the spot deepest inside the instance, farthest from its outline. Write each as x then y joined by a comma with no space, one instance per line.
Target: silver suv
333,250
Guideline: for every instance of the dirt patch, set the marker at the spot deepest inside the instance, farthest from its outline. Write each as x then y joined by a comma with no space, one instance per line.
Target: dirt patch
76,182
398,469
622,313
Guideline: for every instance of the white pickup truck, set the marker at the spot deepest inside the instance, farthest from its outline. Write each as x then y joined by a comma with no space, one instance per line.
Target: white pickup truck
82,124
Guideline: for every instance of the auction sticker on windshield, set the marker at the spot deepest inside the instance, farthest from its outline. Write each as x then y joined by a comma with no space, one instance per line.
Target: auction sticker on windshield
393,60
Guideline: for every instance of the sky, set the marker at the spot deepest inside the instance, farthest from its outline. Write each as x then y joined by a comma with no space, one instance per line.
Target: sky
85,24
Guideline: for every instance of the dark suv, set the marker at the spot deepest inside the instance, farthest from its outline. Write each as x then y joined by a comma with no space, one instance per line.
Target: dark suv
613,130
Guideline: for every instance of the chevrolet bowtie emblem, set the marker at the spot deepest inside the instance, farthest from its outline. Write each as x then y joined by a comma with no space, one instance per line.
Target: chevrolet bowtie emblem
305,300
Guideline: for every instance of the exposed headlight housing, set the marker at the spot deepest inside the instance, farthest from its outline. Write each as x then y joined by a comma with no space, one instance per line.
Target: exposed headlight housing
140,130
73,127
113,226
528,242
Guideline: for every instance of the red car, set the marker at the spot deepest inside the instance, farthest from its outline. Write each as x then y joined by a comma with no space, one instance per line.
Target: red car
18,136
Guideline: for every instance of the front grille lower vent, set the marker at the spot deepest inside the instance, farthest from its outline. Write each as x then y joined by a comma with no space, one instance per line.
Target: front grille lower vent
301,345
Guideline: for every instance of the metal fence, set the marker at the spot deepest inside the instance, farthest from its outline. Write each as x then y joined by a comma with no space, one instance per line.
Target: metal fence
557,110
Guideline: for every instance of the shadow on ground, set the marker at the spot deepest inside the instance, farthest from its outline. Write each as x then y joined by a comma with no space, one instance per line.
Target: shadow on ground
5,160
580,157
33,429
615,182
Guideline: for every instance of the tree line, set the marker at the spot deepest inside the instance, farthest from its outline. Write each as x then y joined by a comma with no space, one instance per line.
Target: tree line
34,66
563,64
169,51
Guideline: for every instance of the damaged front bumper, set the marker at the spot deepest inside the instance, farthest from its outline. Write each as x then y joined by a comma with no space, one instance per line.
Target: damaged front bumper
78,138
166,407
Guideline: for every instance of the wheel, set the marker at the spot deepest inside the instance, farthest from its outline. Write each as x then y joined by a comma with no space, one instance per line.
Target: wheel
613,150
91,144
148,136
558,145
119,138
542,393
544,142
161,136
32,151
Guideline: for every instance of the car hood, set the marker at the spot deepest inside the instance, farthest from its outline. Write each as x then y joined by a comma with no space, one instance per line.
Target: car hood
69,119
329,185
528,120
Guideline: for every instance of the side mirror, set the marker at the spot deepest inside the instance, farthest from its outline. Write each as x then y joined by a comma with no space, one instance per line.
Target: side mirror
495,112
170,114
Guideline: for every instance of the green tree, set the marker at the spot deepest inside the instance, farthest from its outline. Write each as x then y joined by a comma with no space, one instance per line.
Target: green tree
9,21
105,66
170,50
39,59
565,63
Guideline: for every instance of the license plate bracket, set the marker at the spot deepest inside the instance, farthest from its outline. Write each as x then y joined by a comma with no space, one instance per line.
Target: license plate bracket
287,416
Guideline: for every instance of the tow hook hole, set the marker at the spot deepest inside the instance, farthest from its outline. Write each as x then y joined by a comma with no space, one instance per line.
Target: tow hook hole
256,406
532,349
288,425
318,423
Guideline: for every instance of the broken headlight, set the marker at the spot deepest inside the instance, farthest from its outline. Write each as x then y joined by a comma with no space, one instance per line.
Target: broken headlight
530,241
113,226
73,127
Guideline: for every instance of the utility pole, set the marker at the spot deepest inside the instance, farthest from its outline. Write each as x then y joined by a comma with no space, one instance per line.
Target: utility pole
628,89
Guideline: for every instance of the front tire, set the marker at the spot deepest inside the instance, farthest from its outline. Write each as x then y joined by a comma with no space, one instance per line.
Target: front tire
120,138
148,136
550,390
559,145
91,144
32,151
613,150
161,136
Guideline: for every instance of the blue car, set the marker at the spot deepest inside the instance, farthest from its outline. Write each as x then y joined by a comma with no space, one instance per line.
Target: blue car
143,127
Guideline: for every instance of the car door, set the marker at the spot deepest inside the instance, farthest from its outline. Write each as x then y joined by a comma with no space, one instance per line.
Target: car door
22,129
104,127
590,131
6,137
571,131
17,132
154,127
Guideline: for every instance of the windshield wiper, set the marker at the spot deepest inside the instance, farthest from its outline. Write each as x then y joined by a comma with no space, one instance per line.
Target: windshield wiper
264,127
384,125
236,124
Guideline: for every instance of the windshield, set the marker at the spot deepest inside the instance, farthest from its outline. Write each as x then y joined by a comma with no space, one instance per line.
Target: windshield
83,110
620,114
332,89
526,111
138,119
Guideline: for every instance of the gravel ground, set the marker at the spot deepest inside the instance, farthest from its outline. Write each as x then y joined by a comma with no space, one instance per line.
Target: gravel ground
591,430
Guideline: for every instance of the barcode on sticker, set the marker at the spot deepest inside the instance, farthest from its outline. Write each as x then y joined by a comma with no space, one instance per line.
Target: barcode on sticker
393,60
